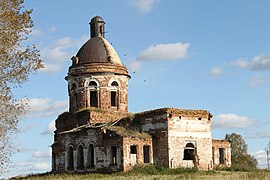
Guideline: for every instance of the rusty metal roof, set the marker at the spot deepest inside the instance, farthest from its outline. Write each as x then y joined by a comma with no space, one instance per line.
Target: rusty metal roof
97,50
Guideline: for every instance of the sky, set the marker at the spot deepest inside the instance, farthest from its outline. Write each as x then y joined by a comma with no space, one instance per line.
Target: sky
190,54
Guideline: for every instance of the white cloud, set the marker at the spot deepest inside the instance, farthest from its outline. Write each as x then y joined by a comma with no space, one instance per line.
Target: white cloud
134,66
51,68
53,29
160,52
256,81
165,52
226,121
258,133
260,155
38,154
216,71
40,167
45,107
37,33
144,6
38,163
258,63
59,52
50,129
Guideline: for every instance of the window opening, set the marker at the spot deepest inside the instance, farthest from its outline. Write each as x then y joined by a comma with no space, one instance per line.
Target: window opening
90,156
133,149
114,94
133,155
70,159
93,99
113,155
100,30
221,156
75,96
113,98
213,154
189,152
93,84
146,154
80,158
114,83
93,94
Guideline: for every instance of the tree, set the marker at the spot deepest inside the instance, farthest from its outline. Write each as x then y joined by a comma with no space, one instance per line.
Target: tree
17,61
240,156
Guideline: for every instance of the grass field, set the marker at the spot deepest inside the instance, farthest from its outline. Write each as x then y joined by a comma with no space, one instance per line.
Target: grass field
155,173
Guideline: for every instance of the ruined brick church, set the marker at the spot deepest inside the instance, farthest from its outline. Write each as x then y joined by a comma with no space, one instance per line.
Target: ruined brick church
98,134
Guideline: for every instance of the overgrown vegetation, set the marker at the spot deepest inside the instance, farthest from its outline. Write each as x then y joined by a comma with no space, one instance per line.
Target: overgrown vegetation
158,172
240,156
126,132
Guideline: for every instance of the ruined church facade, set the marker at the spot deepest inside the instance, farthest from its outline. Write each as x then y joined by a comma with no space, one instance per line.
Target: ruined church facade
98,134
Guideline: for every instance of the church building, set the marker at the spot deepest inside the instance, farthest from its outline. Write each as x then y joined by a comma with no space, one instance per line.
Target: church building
98,134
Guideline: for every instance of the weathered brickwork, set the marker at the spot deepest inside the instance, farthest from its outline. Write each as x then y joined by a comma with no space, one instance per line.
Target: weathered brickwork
99,135
221,150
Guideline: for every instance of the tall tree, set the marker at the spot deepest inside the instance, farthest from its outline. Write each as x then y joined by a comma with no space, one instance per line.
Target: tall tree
17,61
240,156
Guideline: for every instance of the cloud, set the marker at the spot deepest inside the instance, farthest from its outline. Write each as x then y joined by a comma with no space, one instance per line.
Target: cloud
260,155
164,52
40,167
256,81
258,63
226,121
216,71
37,33
59,52
144,6
51,68
53,29
135,66
50,129
38,155
45,107
37,163
160,52
260,133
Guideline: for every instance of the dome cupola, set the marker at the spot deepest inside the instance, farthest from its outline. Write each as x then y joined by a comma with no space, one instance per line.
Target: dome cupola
97,49
97,78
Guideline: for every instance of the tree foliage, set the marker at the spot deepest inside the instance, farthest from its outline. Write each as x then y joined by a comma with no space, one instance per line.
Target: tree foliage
17,61
240,156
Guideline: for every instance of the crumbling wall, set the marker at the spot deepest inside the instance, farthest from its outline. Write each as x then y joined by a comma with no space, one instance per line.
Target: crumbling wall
130,159
90,116
190,129
104,88
221,150
102,142
155,123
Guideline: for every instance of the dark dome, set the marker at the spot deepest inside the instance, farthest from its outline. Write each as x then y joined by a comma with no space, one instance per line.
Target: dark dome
98,50
97,19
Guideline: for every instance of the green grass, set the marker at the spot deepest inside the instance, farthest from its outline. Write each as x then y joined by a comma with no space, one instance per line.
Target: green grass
158,173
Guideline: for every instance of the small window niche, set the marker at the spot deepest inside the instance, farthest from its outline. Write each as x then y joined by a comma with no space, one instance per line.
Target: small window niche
91,156
146,154
113,155
114,94
93,94
80,158
133,154
70,159
189,152
221,156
